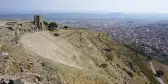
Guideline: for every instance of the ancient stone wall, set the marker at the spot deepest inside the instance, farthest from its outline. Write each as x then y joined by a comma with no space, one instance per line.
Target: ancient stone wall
38,21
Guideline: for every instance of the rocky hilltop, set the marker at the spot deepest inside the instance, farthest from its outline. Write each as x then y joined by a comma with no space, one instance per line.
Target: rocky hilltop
67,56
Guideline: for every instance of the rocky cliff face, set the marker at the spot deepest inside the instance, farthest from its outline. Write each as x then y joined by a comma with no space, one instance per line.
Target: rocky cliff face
70,56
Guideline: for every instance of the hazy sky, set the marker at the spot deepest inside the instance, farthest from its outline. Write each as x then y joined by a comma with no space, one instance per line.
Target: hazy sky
159,6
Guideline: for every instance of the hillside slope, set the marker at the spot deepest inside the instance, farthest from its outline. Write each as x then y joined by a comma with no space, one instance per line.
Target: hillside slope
84,56
71,56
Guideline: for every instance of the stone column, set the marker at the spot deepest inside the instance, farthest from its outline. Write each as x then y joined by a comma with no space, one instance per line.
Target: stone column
38,21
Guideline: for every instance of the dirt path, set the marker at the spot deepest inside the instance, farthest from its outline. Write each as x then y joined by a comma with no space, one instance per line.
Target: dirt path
53,48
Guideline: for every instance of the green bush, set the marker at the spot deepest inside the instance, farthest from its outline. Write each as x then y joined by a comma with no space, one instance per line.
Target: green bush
45,23
52,26
65,27
159,73
56,34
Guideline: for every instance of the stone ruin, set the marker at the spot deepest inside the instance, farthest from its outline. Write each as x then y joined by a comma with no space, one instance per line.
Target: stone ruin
17,28
38,21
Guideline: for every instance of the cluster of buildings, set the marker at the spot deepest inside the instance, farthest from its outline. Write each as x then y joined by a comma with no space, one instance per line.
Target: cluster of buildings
153,38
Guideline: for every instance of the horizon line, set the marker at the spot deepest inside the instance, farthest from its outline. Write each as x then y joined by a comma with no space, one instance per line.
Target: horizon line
90,12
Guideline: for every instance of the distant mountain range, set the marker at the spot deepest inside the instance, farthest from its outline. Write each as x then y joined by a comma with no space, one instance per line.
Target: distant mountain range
113,15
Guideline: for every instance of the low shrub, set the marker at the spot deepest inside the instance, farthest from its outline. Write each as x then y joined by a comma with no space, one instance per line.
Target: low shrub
66,27
103,65
56,34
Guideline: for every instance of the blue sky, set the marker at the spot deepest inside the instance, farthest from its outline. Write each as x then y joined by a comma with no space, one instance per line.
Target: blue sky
157,6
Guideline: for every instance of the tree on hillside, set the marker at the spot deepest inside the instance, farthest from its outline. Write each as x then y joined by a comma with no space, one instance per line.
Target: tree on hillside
159,73
45,23
65,27
52,26
149,58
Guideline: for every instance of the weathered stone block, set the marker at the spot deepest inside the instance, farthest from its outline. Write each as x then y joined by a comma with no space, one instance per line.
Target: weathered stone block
38,21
